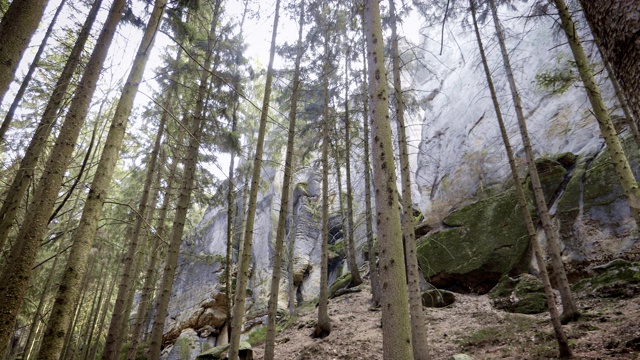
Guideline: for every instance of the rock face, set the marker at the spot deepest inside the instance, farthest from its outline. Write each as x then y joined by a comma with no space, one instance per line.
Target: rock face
437,298
198,303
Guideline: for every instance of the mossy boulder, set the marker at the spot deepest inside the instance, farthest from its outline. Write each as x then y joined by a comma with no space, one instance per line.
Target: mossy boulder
523,295
437,298
616,279
484,240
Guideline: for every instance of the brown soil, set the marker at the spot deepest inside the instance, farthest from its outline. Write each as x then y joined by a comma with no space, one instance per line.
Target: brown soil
609,329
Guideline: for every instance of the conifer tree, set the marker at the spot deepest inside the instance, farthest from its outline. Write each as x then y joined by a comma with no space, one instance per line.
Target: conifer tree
25,173
186,188
85,233
247,242
16,29
396,325
569,310
563,344
17,271
356,279
371,252
323,325
8,118
269,349
418,327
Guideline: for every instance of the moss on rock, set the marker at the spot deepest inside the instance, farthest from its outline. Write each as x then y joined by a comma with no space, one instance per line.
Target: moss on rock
522,295
340,283
616,279
487,239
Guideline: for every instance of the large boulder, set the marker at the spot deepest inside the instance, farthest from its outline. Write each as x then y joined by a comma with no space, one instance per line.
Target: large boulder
523,295
483,241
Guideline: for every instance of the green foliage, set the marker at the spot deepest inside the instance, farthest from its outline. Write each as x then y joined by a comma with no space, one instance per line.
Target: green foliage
557,80
258,336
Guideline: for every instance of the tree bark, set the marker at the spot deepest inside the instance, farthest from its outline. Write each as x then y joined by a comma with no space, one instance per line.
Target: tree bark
16,29
184,197
371,252
615,25
356,279
17,271
323,326
8,118
570,312
396,325
39,140
614,148
245,258
272,311
563,344
418,327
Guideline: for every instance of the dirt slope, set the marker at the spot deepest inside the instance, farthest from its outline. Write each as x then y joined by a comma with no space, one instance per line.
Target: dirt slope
609,329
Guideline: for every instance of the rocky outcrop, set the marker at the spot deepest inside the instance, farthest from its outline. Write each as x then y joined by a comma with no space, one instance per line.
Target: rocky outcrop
617,279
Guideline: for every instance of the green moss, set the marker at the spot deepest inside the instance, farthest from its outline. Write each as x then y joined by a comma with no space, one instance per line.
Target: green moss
528,291
337,250
488,236
258,336
618,278
504,288
340,283
184,348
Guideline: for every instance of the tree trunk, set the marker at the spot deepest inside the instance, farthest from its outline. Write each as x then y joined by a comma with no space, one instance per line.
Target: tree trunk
356,279
615,25
570,312
16,29
156,241
105,310
272,311
292,244
396,325
563,344
323,326
8,118
418,327
115,336
17,271
184,197
371,252
85,233
245,258
614,148
39,140
231,196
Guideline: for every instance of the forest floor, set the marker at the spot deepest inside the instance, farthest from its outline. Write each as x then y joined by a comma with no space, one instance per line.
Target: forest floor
608,329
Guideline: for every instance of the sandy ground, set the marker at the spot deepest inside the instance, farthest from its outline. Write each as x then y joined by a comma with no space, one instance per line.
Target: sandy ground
609,329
